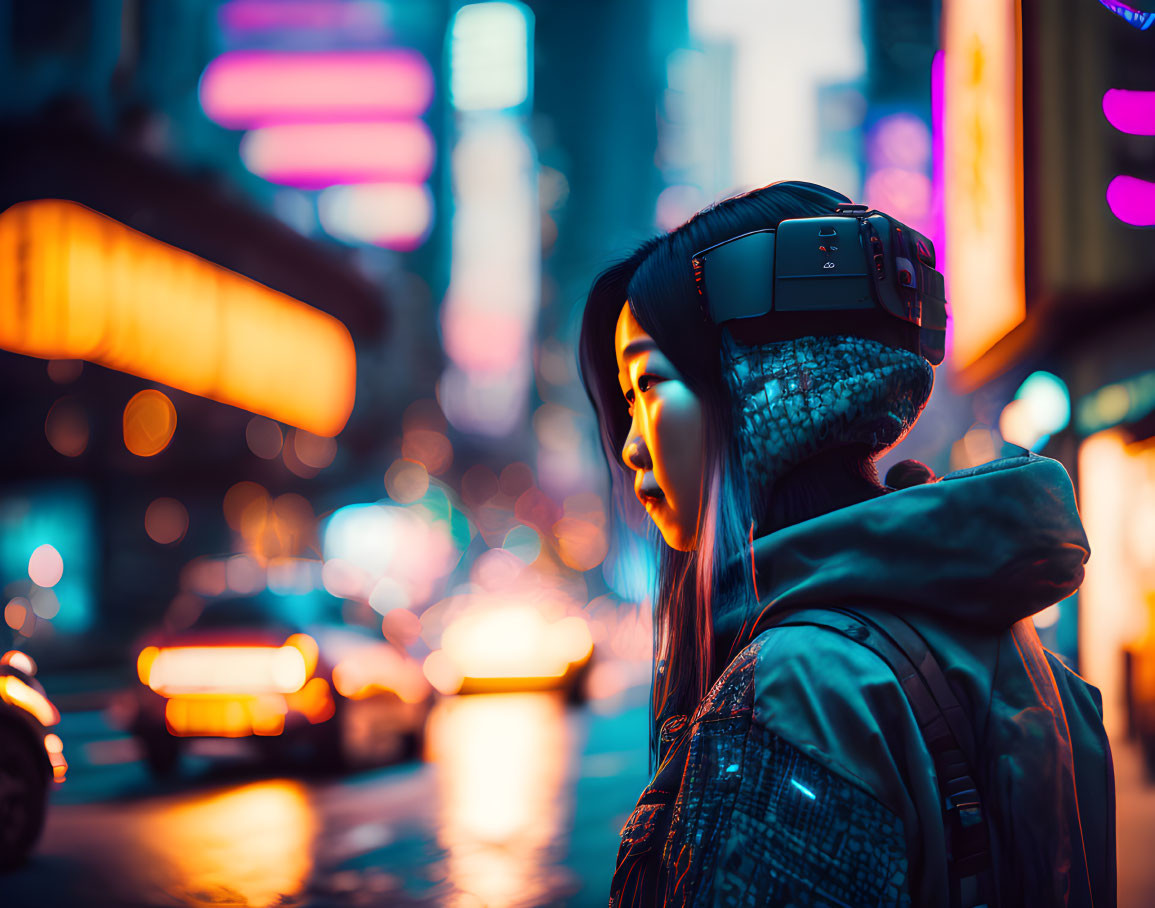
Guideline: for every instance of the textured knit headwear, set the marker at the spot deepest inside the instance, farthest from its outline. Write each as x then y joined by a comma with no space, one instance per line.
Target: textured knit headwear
797,398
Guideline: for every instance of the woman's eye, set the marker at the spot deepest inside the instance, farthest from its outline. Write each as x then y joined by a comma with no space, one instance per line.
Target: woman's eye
645,382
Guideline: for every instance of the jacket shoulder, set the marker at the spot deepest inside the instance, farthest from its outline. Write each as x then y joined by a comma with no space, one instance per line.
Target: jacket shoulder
840,703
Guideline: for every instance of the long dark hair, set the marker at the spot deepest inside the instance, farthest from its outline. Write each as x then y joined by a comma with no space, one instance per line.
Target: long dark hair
657,280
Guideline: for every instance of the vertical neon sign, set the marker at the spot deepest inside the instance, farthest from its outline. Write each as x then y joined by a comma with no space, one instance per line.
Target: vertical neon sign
1131,199
490,309
983,186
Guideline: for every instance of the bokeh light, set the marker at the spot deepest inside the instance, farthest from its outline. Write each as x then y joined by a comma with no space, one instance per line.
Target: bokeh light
65,371
393,215
1041,407
149,422
314,451
264,437
166,521
45,566
401,627
239,497
430,448
406,481
478,484
66,427
16,612
45,604
524,542
489,56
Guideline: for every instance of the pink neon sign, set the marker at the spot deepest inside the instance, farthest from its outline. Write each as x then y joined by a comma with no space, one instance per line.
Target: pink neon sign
1132,200
367,19
315,155
1132,112
241,89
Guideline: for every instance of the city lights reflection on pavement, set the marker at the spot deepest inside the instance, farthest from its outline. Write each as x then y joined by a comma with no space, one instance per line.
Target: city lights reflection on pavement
518,803
251,845
502,763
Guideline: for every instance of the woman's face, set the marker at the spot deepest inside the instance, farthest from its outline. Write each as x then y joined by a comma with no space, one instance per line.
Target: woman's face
664,444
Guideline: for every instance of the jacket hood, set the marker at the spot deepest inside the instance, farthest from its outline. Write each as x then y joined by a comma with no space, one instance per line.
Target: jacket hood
987,546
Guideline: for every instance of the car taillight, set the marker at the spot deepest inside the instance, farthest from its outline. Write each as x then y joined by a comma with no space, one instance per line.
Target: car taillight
29,699
216,669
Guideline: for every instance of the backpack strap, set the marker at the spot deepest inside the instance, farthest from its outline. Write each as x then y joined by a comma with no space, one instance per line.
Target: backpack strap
945,728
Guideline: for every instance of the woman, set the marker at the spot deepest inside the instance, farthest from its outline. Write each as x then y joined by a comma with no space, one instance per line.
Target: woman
798,762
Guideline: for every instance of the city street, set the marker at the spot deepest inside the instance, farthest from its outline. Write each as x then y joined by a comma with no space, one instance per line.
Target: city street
519,804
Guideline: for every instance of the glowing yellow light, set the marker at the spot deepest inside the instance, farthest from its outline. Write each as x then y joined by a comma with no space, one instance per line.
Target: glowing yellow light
512,647
53,744
87,287
225,669
984,183
29,699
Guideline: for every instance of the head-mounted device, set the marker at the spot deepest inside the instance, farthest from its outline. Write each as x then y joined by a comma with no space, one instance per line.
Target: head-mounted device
855,259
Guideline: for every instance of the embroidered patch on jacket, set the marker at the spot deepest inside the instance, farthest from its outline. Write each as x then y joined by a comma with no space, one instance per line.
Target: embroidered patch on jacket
767,825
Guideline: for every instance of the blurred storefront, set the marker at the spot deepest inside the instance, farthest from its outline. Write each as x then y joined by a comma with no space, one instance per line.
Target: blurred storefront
1051,304
192,311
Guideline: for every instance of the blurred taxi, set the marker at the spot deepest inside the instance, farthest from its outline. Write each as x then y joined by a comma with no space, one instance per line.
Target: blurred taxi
336,696
31,757
512,648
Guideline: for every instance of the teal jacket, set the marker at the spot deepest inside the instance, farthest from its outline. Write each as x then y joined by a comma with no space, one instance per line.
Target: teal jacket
804,778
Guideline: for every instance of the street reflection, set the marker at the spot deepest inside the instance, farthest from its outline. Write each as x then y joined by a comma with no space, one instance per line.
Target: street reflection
501,763
251,845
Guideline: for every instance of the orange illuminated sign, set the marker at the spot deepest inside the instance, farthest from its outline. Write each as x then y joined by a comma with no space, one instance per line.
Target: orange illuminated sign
983,191
75,284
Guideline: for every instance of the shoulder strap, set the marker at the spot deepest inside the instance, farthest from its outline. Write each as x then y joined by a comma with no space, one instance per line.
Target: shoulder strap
945,728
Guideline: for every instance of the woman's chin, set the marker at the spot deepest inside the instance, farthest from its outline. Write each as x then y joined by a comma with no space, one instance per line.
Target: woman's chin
677,537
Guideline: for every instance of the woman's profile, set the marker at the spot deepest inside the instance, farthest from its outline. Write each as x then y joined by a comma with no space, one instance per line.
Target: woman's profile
850,703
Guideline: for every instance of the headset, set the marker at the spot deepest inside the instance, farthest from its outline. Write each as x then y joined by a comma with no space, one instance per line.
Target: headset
856,259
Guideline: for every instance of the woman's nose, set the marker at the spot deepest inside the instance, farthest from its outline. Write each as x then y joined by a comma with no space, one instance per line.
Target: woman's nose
635,454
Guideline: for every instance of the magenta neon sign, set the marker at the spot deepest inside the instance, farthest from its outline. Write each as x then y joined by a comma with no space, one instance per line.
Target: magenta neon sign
1132,200
241,89
1132,112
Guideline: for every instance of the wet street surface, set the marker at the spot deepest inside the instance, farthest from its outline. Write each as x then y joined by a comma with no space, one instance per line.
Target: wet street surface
519,802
